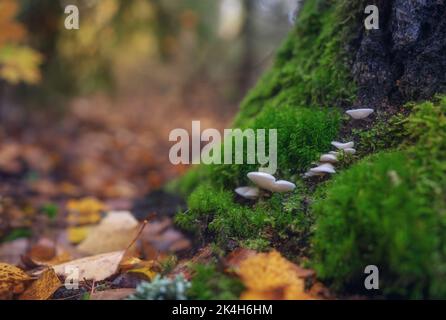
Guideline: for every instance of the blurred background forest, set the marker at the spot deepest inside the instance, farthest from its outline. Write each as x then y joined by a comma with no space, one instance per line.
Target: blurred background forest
87,112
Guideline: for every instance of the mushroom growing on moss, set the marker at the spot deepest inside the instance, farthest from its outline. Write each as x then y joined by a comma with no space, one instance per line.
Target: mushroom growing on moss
350,151
331,158
324,168
343,146
248,192
358,114
268,182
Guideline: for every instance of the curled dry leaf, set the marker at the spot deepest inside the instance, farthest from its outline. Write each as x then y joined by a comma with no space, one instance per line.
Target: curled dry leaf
267,275
43,250
12,280
96,268
43,288
46,252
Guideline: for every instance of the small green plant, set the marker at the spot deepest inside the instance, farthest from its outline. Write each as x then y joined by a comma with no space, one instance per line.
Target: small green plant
51,210
210,284
162,289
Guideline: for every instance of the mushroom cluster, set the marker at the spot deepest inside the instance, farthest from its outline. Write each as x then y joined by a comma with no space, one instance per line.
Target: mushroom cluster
328,160
264,181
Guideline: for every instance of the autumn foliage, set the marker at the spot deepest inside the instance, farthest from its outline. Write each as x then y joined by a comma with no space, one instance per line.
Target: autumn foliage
18,62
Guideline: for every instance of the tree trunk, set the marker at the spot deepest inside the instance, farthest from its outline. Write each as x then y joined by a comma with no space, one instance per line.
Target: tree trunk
405,59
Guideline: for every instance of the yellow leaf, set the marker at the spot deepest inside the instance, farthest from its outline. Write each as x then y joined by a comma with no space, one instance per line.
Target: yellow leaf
12,280
78,234
43,288
84,211
146,272
19,63
269,275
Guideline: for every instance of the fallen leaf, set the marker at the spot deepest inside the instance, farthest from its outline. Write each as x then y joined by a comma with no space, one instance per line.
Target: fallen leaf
146,269
77,234
43,288
267,273
113,294
115,232
43,250
97,268
12,280
84,211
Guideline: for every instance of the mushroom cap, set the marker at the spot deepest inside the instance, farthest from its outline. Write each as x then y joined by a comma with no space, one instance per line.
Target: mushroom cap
343,146
359,113
328,158
335,153
324,168
247,192
262,179
283,186
310,174
350,151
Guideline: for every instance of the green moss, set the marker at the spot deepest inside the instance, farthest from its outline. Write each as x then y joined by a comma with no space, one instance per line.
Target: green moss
386,133
210,284
213,213
310,68
302,135
189,181
388,210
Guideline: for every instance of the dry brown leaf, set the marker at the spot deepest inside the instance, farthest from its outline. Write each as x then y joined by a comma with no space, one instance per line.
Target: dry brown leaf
115,232
269,273
12,280
113,294
43,250
97,268
46,252
43,288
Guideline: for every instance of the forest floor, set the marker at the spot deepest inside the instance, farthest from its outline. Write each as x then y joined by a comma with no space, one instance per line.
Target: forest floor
61,175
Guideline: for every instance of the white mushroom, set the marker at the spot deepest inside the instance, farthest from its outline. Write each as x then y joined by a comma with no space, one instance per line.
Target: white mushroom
311,174
324,168
359,113
328,158
350,151
268,182
248,192
335,153
283,186
343,146
262,179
